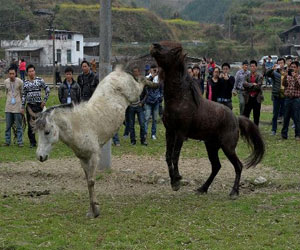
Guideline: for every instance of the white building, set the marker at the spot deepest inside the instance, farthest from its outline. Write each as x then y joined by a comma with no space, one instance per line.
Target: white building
68,49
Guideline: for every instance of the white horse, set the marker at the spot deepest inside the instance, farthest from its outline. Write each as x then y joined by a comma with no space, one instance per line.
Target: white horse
85,128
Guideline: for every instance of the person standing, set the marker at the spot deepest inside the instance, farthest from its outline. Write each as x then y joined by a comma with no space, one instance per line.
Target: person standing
14,65
22,69
225,87
288,61
57,73
137,109
152,101
87,80
211,64
212,86
291,83
190,71
13,87
32,96
269,65
203,66
277,74
238,87
253,93
197,78
94,65
69,90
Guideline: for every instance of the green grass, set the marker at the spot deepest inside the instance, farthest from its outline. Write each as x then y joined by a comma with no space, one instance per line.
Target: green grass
181,221
96,7
181,22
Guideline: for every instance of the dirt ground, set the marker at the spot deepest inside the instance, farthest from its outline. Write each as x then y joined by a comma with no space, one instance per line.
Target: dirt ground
129,175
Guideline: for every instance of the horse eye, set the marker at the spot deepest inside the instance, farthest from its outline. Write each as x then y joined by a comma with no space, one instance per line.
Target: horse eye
47,132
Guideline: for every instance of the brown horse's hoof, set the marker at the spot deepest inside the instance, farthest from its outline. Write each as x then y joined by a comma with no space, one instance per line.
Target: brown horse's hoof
234,195
176,186
201,191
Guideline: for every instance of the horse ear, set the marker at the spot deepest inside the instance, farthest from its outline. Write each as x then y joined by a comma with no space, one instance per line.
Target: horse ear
182,57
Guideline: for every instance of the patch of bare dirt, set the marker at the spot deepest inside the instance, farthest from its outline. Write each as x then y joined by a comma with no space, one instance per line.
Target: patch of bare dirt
129,175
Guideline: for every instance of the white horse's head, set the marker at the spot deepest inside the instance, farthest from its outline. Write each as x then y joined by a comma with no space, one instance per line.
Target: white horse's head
122,83
48,134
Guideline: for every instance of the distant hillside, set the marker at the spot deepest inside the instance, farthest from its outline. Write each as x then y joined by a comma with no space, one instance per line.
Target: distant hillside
208,11
144,26
19,21
233,24
165,9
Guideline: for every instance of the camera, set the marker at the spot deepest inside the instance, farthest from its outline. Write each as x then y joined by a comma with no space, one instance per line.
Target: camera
290,71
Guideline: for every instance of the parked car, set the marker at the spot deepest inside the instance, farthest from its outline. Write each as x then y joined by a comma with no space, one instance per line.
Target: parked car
293,57
274,59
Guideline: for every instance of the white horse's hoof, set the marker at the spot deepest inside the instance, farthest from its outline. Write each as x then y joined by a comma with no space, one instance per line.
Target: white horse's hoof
91,215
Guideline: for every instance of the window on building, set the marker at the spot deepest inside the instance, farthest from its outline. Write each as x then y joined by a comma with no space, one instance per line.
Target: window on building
69,56
58,55
78,46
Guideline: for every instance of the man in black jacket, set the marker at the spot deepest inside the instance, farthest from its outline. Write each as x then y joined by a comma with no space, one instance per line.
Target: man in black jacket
277,74
88,81
69,91
226,85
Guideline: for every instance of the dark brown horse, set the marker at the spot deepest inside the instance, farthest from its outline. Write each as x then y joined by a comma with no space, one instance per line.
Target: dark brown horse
188,115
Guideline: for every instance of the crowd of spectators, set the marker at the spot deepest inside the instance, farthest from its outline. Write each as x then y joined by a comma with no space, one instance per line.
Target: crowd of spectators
25,95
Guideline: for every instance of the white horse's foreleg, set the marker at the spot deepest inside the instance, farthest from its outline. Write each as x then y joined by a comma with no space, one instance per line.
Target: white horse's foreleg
89,170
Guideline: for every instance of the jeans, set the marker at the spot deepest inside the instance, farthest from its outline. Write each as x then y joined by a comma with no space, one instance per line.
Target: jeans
269,81
36,108
116,139
141,117
292,110
278,103
22,75
151,110
127,130
241,101
160,110
10,119
256,106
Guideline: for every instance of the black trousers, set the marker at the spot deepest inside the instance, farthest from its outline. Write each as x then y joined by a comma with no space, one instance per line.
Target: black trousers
253,104
36,108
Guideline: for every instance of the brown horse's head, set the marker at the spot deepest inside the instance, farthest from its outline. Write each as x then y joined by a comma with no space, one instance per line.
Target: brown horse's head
168,55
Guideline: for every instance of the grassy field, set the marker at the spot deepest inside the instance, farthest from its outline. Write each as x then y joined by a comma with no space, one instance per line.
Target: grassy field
268,219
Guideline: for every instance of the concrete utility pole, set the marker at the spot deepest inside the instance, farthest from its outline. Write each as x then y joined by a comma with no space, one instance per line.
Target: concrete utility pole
252,41
53,54
105,65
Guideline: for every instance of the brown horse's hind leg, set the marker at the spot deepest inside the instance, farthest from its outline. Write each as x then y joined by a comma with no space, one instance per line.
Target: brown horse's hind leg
213,156
238,166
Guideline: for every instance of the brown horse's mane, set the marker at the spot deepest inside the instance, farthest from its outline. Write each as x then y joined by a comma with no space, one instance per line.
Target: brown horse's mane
187,81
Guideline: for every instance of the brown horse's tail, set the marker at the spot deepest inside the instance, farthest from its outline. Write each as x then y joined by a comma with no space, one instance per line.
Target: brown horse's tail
250,132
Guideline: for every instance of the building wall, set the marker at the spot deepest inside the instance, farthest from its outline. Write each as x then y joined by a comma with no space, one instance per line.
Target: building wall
46,54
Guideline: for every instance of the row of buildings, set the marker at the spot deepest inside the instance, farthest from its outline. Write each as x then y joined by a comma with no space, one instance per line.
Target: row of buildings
70,48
